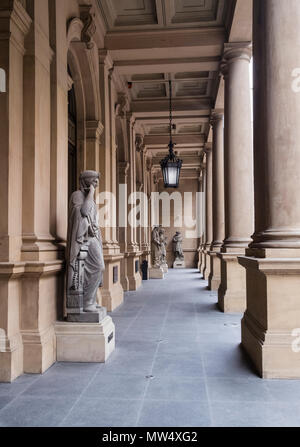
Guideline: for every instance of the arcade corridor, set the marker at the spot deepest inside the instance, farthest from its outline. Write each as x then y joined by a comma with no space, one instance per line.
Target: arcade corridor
177,363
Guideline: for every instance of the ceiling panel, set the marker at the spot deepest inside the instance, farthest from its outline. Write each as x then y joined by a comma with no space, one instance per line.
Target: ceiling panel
134,12
190,11
150,90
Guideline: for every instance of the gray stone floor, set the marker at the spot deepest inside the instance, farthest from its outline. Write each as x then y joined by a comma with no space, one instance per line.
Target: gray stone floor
177,363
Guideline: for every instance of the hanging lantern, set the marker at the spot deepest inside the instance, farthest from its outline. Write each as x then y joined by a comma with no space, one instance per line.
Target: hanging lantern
171,165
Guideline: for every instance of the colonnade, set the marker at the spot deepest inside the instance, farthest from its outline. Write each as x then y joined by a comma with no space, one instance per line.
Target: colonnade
259,258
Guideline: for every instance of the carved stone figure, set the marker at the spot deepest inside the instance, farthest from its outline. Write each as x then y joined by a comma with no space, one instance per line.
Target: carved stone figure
85,263
163,254
156,248
177,246
163,241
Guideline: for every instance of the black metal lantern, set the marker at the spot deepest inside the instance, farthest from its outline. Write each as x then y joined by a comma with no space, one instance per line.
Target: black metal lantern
171,165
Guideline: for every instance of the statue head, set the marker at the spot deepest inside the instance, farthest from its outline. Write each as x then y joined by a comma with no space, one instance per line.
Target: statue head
88,178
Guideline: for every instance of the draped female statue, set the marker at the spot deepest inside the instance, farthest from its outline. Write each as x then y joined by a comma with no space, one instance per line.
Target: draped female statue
85,263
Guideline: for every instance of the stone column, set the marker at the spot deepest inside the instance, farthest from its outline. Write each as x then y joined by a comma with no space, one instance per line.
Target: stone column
217,123
273,273
238,158
145,246
43,282
60,84
203,241
14,26
112,292
105,64
123,222
209,211
94,130
200,216
133,252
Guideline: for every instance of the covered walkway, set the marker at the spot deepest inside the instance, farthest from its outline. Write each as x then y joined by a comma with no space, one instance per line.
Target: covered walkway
177,363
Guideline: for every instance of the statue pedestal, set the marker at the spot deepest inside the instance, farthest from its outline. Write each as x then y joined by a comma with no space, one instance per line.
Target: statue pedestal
85,342
156,273
87,317
165,268
179,264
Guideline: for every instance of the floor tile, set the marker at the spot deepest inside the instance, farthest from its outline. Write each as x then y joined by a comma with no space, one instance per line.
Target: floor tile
174,414
103,413
257,414
35,412
171,330
59,384
177,389
116,386
237,390
18,386
181,364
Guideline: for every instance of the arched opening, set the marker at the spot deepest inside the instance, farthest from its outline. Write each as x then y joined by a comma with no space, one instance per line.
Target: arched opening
72,139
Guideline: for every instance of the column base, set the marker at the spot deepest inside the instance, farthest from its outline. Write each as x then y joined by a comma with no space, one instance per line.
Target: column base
111,299
156,273
89,343
179,265
214,279
39,350
11,358
270,333
112,293
133,271
232,289
165,268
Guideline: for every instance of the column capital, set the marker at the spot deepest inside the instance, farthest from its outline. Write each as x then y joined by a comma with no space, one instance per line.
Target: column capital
15,23
234,52
215,118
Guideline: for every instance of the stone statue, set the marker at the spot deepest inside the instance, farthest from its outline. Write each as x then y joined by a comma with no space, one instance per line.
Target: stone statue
156,248
163,252
163,242
177,248
85,263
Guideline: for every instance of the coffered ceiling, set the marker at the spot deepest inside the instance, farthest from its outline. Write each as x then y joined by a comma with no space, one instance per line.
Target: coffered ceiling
155,14
154,41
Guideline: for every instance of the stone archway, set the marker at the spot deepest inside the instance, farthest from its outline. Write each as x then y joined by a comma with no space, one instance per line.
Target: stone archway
84,70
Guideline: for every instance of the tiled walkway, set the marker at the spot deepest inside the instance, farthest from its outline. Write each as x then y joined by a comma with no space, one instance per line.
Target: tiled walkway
177,363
